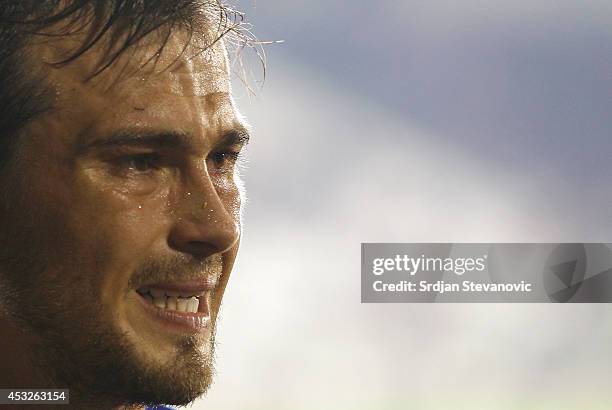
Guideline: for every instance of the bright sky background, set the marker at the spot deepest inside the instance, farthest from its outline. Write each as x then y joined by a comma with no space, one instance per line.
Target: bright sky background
416,121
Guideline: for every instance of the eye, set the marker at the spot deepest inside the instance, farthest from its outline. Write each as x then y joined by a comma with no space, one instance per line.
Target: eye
140,163
223,161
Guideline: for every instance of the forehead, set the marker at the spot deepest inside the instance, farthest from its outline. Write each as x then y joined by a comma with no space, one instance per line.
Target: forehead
183,65
186,87
187,67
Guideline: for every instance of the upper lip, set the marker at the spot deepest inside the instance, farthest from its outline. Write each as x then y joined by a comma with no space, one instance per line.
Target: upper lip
184,286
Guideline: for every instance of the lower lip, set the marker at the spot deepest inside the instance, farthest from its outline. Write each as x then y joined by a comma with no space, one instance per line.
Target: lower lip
176,322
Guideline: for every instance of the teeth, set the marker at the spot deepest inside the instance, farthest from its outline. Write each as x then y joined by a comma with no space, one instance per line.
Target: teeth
171,303
159,302
193,305
157,293
178,304
181,304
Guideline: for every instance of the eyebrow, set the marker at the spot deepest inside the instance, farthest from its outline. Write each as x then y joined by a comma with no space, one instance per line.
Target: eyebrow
166,139
235,136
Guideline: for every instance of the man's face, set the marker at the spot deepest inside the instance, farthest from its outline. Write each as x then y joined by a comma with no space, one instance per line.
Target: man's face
126,190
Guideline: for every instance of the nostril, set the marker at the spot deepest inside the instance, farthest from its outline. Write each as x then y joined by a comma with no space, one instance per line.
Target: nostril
202,248
203,239
194,247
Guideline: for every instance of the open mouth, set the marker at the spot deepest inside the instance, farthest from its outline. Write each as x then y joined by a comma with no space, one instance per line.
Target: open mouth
173,301
178,306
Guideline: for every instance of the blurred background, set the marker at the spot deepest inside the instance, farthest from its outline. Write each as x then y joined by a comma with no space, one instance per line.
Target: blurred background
417,121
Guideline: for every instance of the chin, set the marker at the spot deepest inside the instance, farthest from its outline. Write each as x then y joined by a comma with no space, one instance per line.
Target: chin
177,379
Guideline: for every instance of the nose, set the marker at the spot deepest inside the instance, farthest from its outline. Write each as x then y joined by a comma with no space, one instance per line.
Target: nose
204,225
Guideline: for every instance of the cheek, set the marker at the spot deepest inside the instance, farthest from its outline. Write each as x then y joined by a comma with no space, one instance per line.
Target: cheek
120,229
97,235
114,236
230,193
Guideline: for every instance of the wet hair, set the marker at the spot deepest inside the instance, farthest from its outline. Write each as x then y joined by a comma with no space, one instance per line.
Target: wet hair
125,23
